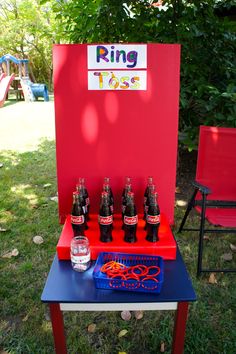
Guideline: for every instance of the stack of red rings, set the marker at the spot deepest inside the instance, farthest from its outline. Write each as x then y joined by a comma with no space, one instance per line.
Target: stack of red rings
139,275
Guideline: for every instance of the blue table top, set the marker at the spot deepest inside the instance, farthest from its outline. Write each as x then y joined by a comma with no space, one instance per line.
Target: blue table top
64,285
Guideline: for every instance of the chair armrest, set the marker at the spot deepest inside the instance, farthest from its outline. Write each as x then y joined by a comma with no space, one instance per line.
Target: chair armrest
203,189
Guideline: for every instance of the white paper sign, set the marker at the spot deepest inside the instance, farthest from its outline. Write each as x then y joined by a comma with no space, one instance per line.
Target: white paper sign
117,56
117,80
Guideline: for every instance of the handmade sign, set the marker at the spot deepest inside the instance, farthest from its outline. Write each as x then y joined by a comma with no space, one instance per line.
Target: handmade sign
117,80
119,56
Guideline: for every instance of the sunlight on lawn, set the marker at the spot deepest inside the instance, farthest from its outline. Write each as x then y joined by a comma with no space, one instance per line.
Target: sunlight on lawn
21,191
22,125
46,326
6,216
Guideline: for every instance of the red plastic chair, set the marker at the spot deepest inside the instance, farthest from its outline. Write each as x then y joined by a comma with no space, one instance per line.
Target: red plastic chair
214,195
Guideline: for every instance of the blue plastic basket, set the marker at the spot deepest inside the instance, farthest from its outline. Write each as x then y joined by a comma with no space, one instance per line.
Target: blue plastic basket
103,281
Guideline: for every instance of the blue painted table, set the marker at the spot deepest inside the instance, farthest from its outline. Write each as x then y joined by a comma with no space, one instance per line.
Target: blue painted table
67,290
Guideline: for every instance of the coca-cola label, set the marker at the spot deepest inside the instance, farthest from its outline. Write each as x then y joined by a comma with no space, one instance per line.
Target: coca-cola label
105,220
87,201
77,220
153,219
130,220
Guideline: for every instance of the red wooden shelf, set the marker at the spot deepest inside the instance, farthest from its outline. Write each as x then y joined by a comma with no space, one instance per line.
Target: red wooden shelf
165,247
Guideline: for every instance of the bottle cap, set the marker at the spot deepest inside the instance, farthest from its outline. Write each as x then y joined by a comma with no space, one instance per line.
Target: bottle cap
107,180
128,180
150,180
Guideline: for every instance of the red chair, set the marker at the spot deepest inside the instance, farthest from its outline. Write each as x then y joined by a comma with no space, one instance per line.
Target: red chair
214,195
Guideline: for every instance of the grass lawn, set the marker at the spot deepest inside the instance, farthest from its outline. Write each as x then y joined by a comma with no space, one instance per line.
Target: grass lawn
27,182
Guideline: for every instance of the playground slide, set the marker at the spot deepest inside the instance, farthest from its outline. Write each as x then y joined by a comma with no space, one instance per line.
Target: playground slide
5,82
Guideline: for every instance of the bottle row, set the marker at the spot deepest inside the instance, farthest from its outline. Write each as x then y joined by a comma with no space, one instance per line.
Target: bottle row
151,211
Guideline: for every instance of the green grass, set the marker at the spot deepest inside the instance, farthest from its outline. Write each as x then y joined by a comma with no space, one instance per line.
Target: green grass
25,211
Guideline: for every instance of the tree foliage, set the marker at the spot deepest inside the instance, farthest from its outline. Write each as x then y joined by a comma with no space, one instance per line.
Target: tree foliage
27,30
208,72
208,89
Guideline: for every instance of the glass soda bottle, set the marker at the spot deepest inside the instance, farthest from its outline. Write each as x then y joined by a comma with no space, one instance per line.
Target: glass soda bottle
77,215
105,219
107,188
149,183
151,189
153,219
130,219
80,191
125,192
85,195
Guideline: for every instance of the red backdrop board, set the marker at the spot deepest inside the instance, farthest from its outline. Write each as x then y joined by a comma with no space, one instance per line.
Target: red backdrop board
116,133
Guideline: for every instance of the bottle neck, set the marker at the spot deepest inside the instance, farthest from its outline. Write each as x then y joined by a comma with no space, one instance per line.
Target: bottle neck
75,198
130,198
106,188
153,199
82,181
107,180
127,188
104,198
150,180
128,180
151,188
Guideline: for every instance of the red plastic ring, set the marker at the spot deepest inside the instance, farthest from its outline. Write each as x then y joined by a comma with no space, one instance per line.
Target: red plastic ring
132,276
154,274
115,276
149,287
106,266
143,271
150,278
115,284
111,272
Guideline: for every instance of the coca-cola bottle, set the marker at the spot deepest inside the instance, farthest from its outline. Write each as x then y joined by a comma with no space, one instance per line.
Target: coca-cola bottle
80,191
125,192
151,189
130,219
86,196
105,219
153,219
107,188
77,215
149,183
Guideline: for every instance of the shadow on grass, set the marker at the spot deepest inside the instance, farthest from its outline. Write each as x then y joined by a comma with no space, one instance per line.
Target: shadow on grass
27,182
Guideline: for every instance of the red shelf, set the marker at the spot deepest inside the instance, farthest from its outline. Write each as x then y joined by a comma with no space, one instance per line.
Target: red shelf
165,247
